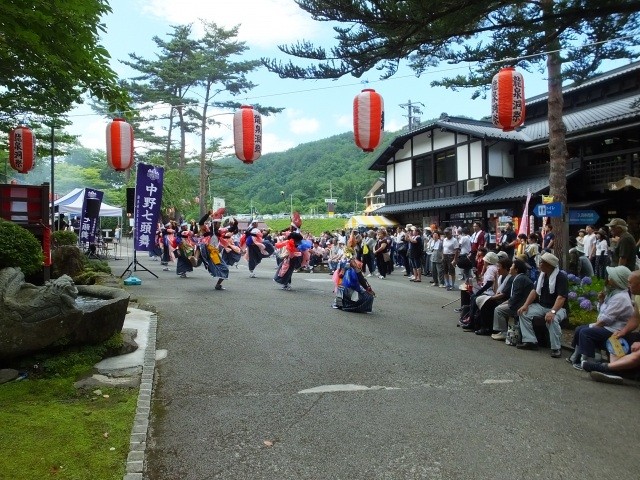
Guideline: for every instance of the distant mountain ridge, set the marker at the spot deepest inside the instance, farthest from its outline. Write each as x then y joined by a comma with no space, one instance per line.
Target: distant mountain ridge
302,177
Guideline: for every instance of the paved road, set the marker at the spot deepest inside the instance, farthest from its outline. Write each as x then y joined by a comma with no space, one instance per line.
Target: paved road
235,397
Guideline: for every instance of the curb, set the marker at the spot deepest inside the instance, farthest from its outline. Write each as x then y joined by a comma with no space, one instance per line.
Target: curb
138,439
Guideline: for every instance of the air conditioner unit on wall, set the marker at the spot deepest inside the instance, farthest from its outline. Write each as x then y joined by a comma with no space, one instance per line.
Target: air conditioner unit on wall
475,185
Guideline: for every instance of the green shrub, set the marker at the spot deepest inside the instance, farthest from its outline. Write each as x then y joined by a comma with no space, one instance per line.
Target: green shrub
19,248
63,237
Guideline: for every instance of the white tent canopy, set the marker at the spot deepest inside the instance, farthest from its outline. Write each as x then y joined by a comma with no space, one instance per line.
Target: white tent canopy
370,221
72,203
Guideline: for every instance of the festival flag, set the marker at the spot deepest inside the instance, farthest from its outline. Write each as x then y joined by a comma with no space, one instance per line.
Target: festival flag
524,223
90,212
147,201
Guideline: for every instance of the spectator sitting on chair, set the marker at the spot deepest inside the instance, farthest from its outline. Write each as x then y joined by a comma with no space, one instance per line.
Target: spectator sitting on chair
521,287
547,299
614,311
488,303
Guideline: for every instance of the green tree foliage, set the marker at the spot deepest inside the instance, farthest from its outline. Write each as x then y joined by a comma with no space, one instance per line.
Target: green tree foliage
50,56
19,248
310,171
169,79
570,38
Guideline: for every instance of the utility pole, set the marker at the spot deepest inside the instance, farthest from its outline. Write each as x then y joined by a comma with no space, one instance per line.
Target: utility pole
413,110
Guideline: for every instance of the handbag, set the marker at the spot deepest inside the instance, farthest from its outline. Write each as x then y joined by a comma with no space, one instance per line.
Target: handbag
386,256
464,262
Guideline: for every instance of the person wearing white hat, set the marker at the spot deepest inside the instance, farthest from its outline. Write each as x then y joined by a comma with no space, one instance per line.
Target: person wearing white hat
629,364
625,251
614,311
546,300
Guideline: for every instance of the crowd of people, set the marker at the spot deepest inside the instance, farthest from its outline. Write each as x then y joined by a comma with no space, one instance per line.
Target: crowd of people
510,290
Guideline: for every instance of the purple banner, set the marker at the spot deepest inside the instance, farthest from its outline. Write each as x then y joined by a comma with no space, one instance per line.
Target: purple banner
148,199
90,212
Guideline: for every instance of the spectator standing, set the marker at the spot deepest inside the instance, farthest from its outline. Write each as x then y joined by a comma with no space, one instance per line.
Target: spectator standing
436,260
602,253
624,252
589,245
549,239
450,252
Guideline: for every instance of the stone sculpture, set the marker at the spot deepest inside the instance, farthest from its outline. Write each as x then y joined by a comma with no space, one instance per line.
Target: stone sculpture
33,318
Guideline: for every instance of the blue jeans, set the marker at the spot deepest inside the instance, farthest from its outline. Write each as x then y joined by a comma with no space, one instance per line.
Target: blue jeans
592,338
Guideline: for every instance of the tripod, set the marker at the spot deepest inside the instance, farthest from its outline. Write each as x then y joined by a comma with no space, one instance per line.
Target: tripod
135,263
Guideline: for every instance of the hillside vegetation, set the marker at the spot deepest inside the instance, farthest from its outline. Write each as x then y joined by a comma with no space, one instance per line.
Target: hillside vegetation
302,177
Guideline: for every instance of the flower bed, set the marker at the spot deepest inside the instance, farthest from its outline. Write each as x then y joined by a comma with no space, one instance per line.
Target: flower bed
583,298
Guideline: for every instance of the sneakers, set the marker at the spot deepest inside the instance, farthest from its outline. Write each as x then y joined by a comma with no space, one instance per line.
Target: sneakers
251,274
527,346
499,336
606,378
369,275
412,277
449,289
183,275
589,366
442,286
577,366
335,306
286,287
380,277
165,269
219,287
558,354
457,310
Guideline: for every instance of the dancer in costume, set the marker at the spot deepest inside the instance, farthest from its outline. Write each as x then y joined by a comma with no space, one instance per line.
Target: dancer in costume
353,292
210,246
184,251
168,244
257,247
291,261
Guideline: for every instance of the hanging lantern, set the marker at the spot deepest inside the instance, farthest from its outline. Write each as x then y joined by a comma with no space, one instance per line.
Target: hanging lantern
22,149
368,119
247,134
119,145
507,99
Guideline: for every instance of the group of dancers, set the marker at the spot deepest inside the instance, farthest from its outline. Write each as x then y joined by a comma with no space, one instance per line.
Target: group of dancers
212,244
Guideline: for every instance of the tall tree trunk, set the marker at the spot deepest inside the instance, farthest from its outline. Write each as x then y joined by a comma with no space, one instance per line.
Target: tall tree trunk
204,201
558,153
167,153
183,138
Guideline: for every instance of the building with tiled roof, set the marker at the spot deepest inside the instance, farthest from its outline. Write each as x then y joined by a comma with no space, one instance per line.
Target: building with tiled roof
454,170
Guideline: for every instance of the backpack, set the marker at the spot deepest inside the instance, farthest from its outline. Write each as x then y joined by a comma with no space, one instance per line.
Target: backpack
514,335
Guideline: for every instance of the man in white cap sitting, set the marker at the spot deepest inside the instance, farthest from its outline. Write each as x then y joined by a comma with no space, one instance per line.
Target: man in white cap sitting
546,300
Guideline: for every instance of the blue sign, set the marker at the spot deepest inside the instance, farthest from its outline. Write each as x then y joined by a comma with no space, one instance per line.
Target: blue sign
548,209
583,217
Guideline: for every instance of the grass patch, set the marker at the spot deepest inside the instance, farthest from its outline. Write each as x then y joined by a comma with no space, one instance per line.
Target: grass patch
314,225
49,429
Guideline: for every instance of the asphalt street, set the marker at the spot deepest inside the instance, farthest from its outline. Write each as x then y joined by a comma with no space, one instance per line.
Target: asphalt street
261,383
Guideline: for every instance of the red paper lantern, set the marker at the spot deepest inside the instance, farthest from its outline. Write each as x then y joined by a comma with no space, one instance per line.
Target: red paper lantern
247,134
507,99
22,149
368,119
119,145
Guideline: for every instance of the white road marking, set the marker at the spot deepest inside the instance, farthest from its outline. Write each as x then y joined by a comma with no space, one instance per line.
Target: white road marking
348,387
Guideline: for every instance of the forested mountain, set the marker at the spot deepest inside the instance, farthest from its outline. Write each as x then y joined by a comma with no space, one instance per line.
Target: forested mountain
303,176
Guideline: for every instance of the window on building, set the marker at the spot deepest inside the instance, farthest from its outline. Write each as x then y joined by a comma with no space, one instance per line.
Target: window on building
435,169
423,171
445,167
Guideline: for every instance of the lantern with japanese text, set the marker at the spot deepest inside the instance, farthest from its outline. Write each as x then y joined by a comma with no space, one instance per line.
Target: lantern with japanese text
247,134
22,149
368,119
119,145
507,99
